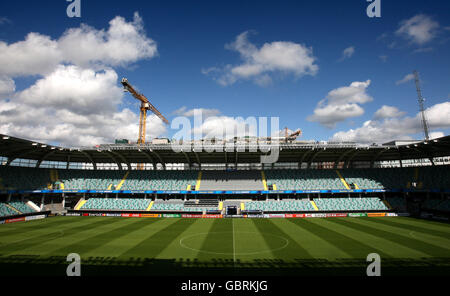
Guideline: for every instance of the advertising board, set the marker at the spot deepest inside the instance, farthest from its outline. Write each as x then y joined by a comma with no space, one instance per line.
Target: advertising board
29,218
254,216
15,220
211,216
357,215
191,215
171,215
274,215
131,215
97,214
150,215
294,215
329,215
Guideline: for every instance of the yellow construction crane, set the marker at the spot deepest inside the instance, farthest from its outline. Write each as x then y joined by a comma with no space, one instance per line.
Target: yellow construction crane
293,136
145,106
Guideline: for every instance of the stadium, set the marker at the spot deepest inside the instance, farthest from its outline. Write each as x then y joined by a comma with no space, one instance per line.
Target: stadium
149,210
296,142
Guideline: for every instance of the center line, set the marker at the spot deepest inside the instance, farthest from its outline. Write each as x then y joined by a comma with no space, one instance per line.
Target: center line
234,242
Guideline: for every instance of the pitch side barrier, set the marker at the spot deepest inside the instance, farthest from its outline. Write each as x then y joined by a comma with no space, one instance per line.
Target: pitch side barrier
141,214
24,217
324,215
218,192
217,216
125,213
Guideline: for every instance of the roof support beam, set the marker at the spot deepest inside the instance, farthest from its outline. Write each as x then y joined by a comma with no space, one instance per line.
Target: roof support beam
400,157
119,166
342,157
38,164
121,158
94,164
225,158
21,154
198,159
429,153
154,164
187,158
304,157
372,161
314,156
347,162
163,163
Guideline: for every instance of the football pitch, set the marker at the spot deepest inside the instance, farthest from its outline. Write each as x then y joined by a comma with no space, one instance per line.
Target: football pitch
188,246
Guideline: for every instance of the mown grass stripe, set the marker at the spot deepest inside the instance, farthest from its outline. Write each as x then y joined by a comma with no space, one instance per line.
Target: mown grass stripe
60,232
361,224
267,226
219,240
249,240
72,237
437,241
439,226
104,237
192,241
156,243
428,231
34,225
393,249
346,244
429,223
316,246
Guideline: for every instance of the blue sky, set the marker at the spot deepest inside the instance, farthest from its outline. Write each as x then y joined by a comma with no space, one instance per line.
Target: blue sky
193,38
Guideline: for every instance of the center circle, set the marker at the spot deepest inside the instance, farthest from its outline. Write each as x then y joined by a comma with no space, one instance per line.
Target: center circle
221,242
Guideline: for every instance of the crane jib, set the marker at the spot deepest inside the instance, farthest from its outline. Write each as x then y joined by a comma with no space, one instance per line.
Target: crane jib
145,106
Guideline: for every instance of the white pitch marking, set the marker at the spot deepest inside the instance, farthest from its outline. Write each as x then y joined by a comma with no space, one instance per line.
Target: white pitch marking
182,244
234,242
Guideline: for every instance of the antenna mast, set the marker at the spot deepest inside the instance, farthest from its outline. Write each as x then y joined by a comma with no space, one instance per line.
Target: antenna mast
421,106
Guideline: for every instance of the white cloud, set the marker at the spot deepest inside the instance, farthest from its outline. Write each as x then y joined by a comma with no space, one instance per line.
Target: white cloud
208,124
376,131
37,54
347,53
76,89
388,112
7,86
76,97
73,107
435,135
419,29
224,127
123,43
341,103
259,63
408,77
183,111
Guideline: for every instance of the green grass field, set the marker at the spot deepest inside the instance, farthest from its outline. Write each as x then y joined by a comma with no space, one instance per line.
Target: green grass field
176,246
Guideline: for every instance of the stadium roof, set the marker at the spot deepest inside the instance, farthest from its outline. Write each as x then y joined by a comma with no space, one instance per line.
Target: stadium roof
15,148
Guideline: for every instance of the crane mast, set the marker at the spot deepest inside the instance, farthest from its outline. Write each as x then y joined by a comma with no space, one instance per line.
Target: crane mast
145,106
